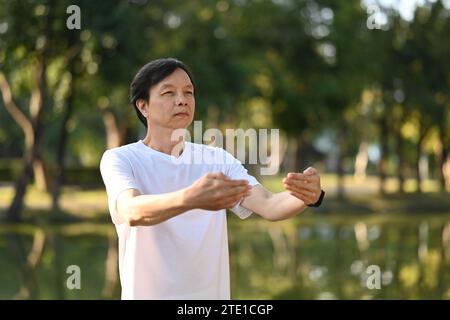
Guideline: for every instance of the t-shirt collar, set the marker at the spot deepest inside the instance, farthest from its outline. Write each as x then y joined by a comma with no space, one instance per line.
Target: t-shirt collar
157,153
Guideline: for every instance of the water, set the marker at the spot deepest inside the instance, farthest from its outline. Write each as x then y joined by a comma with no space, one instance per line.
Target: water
337,257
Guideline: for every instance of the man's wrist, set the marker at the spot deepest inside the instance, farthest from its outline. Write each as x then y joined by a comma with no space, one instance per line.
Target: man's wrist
319,202
186,203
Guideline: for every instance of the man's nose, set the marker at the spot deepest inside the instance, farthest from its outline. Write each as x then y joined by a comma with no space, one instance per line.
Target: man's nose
180,99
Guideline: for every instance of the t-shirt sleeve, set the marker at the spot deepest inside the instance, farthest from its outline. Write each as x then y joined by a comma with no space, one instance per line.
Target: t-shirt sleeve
117,176
236,171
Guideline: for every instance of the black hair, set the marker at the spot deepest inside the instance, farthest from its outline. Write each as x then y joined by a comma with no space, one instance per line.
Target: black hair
151,74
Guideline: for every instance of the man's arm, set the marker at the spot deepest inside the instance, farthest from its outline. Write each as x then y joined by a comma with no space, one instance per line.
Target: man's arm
149,209
302,189
213,191
273,206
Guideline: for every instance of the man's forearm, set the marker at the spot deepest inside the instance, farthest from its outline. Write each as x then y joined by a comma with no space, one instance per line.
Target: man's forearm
281,206
151,209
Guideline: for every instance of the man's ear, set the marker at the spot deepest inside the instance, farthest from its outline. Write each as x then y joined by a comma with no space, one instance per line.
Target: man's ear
141,105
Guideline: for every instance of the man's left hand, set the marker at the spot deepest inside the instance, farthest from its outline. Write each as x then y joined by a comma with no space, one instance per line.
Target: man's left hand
305,186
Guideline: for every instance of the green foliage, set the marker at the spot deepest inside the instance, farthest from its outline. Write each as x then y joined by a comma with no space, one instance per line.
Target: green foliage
301,66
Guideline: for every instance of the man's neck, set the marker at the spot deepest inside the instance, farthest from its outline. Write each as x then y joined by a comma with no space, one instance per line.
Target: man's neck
161,141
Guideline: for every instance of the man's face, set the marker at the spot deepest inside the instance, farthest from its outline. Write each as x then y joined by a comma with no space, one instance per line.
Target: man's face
172,102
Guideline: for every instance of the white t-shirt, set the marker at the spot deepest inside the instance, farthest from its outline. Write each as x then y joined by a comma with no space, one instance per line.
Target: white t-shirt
185,257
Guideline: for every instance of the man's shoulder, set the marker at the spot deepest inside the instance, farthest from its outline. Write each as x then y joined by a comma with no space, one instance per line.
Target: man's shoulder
120,151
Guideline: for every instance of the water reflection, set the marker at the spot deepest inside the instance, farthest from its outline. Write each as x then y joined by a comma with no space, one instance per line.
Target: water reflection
302,259
34,261
331,260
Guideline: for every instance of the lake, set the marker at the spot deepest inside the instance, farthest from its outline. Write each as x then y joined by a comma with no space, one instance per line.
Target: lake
382,256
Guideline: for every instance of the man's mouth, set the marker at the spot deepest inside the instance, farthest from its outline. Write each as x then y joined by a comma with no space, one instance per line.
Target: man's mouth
181,114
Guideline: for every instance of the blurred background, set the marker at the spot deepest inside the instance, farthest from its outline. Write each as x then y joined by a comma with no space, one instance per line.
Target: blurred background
358,89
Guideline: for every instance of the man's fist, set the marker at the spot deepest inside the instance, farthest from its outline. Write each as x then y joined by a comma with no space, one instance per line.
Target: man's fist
305,186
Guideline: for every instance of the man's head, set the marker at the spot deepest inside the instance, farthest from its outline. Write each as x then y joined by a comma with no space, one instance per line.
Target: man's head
162,93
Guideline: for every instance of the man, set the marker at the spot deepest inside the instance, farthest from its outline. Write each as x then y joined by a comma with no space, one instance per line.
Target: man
170,215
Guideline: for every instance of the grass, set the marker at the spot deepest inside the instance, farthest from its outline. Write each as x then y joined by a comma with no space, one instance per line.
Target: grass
76,203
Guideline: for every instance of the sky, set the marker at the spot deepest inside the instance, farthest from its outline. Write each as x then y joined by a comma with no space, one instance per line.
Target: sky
405,7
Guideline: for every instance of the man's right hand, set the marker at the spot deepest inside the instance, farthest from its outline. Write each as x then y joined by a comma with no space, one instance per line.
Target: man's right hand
215,191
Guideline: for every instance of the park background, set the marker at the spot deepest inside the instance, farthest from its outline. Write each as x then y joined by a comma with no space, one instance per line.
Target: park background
358,89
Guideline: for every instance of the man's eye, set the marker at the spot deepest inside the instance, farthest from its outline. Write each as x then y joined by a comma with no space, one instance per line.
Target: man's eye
168,93
189,92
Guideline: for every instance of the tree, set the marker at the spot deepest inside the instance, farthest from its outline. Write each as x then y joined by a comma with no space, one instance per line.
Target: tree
29,46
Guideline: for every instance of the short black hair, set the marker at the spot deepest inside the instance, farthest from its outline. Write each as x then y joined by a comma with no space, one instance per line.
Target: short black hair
149,75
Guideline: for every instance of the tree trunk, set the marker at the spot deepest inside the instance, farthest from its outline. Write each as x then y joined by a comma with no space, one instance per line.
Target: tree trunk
32,126
401,161
41,180
27,127
418,159
442,158
20,187
446,169
299,162
33,140
37,105
112,128
383,153
116,131
340,164
62,143
71,56
361,161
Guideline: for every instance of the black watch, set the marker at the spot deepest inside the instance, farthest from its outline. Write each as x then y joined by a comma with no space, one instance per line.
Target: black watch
317,204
